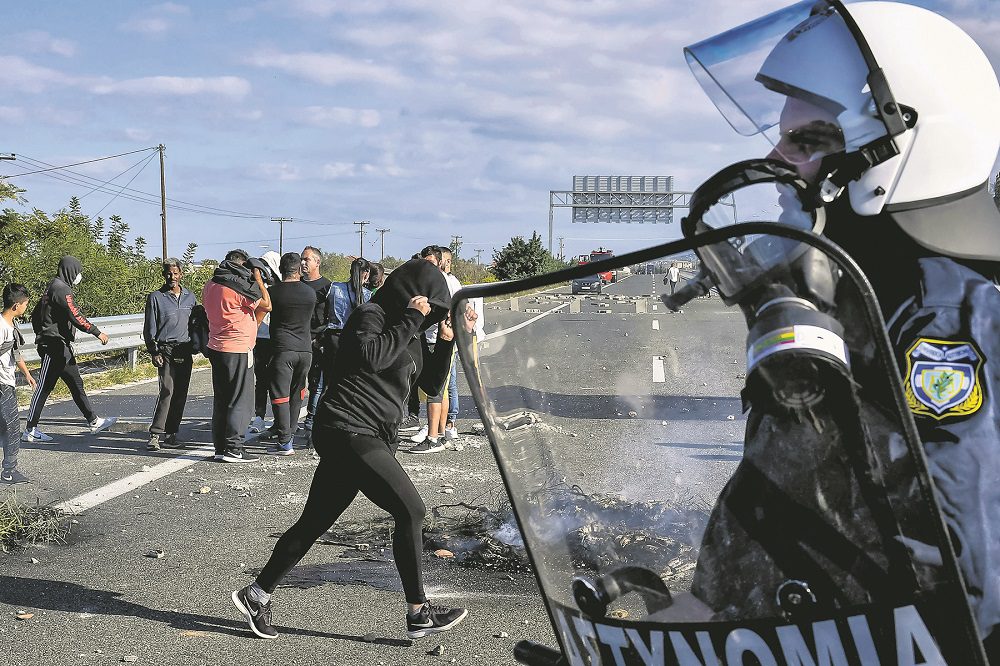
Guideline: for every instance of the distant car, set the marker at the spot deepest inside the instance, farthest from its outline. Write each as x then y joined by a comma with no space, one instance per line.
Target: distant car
590,284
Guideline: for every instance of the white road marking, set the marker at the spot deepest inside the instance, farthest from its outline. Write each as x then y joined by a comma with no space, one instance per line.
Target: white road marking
658,375
505,331
656,324
118,488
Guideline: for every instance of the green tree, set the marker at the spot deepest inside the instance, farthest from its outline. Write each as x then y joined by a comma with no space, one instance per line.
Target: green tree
521,258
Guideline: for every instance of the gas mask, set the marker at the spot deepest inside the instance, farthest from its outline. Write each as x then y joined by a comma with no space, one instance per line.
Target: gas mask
786,290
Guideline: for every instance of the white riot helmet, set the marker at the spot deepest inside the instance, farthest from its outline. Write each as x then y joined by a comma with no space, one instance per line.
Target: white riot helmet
891,101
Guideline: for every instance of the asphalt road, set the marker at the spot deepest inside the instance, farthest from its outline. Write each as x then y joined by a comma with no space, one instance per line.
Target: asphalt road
627,404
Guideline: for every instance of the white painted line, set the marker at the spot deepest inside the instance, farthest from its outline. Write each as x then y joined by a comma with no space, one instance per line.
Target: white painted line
656,324
129,483
658,375
500,333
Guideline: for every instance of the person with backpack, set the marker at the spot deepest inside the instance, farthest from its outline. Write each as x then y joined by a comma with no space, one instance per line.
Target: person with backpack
55,319
166,332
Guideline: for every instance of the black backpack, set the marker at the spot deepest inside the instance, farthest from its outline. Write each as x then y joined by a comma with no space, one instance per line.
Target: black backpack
198,329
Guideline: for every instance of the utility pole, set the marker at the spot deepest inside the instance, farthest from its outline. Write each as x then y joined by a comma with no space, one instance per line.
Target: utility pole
163,202
383,232
281,232
456,244
562,249
479,251
361,230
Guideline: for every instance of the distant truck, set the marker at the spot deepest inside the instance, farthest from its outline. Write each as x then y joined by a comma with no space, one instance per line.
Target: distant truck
598,255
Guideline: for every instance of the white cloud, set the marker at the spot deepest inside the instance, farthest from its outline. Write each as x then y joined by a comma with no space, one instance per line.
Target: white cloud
282,171
224,86
331,116
155,20
335,170
39,41
11,114
326,68
134,134
17,74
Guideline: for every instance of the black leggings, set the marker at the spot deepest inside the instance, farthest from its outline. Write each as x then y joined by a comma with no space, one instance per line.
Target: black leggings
350,464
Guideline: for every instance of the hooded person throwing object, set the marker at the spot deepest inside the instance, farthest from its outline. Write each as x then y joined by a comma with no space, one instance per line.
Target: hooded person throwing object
55,320
381,348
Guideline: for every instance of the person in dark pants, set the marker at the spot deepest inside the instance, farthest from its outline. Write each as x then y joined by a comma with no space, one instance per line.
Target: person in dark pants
411,424
355,435
235,301
55,319
167,337
293,303
262,353
312,257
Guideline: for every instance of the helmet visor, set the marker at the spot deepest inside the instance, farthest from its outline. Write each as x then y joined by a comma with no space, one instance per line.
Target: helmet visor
797,76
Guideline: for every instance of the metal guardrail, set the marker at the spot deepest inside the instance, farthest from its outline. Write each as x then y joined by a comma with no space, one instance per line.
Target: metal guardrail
124,331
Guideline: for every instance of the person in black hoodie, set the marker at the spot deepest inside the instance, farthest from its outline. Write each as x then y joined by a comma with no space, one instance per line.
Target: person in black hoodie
381,348
55,319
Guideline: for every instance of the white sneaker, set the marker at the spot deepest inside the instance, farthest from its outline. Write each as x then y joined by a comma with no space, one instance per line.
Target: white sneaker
257,424
35,435
102,423
451,433
420,436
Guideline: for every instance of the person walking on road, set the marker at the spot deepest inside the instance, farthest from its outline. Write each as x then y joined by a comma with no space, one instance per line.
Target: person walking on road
312,258
15,303
293,303
235,302
673,276
55,319
355,435
168,340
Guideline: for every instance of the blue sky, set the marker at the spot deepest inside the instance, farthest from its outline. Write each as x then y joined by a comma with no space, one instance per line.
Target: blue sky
430,119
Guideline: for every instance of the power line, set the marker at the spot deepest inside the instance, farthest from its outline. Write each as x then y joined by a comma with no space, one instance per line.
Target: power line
141,196
66,166
148,160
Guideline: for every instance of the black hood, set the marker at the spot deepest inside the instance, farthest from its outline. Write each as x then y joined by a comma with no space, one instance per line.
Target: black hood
417,277
237,277
69,268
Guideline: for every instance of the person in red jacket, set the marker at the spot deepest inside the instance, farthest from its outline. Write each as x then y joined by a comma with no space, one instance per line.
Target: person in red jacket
55,321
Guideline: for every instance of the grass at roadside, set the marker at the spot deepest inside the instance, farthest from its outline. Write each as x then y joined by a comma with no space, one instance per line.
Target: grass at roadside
100,380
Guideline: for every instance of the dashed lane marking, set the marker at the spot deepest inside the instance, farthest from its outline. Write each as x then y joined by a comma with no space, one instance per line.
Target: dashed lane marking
658,375
656,324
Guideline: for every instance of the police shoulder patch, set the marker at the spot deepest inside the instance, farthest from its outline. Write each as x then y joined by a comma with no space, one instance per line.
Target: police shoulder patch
943,378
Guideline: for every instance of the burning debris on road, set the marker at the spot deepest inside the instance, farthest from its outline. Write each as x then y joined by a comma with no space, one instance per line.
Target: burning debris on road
599,531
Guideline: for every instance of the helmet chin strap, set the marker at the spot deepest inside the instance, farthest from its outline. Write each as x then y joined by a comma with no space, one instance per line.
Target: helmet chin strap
843,168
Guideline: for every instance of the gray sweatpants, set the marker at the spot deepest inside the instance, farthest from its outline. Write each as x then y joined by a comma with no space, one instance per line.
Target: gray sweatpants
10,427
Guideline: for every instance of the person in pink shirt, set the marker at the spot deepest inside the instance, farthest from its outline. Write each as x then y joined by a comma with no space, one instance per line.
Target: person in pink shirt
235,302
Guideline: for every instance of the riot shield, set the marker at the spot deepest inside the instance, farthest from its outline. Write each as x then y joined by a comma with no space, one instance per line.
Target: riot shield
735,482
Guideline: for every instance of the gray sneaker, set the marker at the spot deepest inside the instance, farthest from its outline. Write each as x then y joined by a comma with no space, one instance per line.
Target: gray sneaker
154,443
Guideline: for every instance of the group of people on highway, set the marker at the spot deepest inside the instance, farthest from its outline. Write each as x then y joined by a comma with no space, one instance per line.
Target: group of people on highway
274,329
